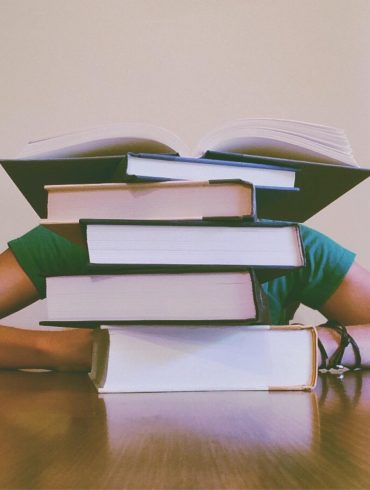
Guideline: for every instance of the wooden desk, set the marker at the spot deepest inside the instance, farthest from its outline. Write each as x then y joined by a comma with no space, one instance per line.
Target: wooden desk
55,432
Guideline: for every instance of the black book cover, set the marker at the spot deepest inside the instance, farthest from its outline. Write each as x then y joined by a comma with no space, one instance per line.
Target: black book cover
319,185
30,176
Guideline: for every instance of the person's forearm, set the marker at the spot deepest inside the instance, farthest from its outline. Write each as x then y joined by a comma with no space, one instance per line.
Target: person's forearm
65,350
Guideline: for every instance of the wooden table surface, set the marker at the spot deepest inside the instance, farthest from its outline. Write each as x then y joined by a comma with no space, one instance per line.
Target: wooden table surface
56,432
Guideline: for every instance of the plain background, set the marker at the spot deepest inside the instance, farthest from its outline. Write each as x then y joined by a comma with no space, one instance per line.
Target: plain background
188,66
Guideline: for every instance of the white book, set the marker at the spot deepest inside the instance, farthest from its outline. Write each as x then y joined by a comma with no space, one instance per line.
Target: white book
172,167
204,358
193,243
219,296
265,136
159,200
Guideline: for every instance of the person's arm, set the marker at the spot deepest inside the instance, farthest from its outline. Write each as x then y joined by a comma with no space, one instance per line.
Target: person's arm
350,305
67,350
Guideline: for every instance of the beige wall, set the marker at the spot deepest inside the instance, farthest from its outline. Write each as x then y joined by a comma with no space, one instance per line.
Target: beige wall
189,66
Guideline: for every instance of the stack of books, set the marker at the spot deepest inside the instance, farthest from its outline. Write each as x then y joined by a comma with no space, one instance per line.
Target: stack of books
177,303
175,266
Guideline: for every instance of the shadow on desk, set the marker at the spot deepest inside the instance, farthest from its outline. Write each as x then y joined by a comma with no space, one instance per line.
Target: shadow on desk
56,432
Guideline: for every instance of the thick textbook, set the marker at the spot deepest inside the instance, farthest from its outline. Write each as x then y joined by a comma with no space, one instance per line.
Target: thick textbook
161,200
319,185
228,295
261,136
195,243
199,358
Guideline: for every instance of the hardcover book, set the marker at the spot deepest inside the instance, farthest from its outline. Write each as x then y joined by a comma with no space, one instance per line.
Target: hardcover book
228,295
162,167
211,358
201,242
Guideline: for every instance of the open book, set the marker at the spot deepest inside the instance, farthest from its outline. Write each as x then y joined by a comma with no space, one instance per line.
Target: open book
260,136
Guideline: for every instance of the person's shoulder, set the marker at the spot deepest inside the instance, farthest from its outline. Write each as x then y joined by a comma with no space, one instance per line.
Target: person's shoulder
314,239
308,232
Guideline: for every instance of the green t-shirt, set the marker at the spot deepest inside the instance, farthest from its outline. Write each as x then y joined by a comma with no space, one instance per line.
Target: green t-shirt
327,263
42,253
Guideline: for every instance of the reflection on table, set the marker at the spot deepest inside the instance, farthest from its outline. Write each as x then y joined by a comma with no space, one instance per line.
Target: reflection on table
56,432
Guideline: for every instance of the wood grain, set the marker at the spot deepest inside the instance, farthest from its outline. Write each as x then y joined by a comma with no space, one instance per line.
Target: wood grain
57,433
